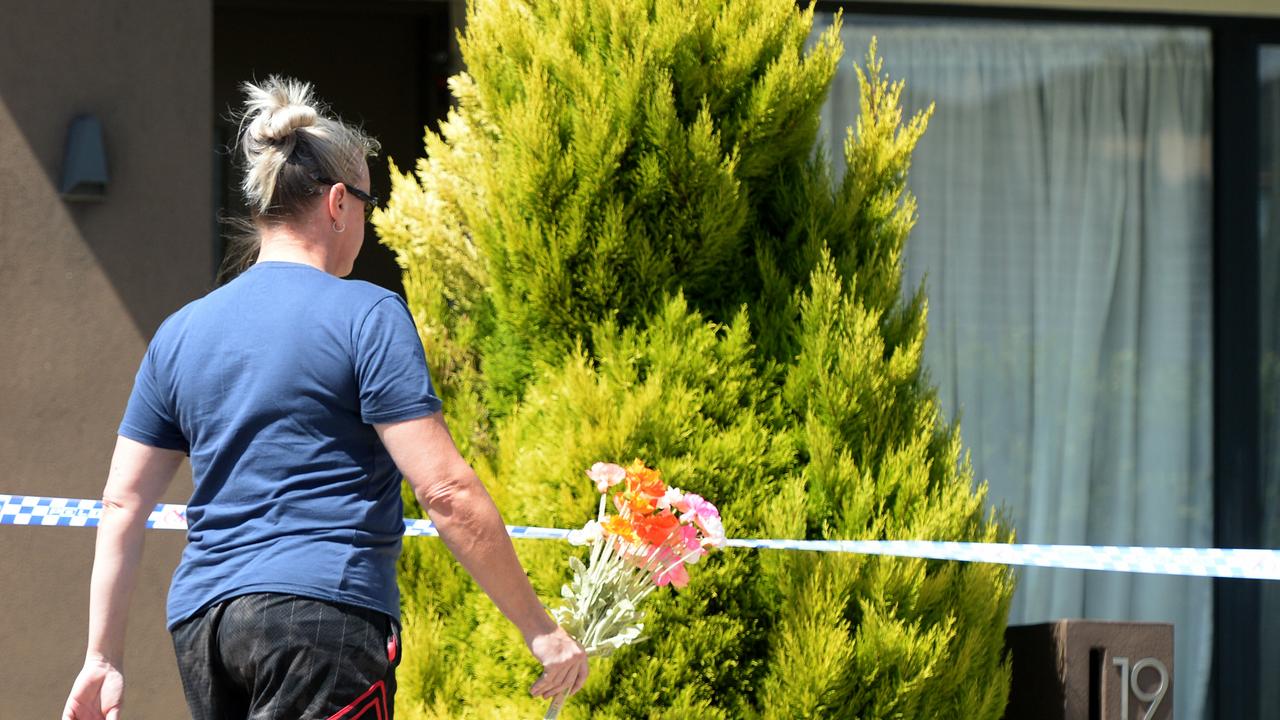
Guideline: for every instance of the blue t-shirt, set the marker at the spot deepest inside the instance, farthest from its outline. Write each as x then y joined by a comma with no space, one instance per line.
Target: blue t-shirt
271,383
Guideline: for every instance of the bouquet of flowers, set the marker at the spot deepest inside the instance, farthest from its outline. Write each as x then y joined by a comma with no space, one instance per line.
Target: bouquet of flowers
654,533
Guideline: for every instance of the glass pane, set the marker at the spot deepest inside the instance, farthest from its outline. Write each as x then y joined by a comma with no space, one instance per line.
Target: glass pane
1064,241
1269,205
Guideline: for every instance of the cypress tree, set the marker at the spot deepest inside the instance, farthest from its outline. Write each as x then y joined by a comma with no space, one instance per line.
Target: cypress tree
624,242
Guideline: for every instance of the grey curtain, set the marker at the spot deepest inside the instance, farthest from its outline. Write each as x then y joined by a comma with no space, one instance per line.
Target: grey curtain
1270,342
1064,242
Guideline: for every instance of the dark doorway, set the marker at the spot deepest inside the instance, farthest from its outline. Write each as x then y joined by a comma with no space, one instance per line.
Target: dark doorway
383,65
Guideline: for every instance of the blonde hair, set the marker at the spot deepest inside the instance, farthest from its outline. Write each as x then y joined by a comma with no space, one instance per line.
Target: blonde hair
288,142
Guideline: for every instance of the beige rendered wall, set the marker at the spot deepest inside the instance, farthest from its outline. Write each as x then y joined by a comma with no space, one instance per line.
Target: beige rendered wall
82,288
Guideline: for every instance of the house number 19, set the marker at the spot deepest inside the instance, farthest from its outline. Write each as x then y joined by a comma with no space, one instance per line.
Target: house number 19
1129,682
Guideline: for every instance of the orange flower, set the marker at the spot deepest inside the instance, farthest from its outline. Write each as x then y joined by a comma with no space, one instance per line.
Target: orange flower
644,488
655,529
640,505
618,526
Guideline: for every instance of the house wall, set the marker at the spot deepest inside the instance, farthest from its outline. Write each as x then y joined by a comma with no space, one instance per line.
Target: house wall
82,289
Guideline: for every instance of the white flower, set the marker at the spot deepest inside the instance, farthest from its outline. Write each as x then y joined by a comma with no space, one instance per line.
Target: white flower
588,534
674,496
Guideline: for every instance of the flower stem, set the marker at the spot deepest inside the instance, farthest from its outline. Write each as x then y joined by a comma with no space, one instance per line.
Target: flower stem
554,711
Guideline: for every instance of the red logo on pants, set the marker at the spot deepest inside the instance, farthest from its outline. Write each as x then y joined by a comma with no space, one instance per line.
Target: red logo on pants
375,699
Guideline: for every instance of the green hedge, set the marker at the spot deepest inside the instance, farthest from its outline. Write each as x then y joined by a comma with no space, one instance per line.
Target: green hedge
624,242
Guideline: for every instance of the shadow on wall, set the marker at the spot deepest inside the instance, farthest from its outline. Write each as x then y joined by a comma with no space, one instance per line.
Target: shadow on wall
146,70
149,237
82,288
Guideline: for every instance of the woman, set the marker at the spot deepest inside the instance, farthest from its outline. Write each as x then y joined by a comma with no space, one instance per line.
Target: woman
300,398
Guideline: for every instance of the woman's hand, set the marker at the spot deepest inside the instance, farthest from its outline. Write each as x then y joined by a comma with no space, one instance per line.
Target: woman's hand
97,692
564,664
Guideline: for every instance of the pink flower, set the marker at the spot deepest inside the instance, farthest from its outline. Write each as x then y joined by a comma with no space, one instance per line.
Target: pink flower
674,575
713,529
694,507
689,534
692,551
696,510
606,475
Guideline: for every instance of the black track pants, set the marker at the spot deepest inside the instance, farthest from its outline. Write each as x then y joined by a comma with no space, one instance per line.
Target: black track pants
284,657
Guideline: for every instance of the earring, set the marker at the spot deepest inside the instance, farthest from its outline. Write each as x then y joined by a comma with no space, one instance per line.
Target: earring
338,229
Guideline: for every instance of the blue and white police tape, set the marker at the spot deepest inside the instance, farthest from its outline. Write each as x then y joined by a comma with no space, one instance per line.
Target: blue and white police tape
1202,562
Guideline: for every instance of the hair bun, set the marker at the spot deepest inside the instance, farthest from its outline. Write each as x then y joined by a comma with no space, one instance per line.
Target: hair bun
277,108
287,140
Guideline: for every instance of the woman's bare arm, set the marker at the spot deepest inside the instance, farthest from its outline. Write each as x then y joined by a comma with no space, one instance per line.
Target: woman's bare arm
138,477
471,527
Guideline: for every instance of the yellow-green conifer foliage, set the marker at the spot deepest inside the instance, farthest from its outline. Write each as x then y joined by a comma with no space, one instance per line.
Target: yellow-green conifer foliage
624,242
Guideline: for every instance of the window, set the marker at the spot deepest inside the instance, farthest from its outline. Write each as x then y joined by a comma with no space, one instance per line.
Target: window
1065,242
1269,315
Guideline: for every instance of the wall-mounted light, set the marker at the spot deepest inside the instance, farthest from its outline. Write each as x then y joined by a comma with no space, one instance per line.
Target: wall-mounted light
84,167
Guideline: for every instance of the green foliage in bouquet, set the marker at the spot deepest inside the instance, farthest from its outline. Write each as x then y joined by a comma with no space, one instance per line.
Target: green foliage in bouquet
624,242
